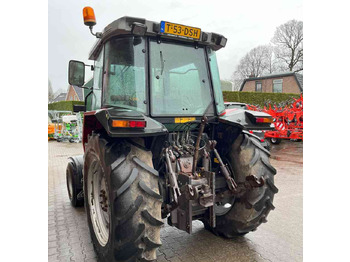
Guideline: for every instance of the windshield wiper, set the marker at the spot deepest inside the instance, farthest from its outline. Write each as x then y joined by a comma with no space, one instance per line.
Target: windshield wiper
162,63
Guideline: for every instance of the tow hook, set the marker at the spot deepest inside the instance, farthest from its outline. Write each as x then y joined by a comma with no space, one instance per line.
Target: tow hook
253,181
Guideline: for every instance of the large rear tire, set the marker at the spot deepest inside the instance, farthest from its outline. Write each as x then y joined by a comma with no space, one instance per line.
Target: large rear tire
122,199
247,157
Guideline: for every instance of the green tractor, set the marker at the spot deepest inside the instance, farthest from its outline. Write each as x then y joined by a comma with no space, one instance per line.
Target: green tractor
158,143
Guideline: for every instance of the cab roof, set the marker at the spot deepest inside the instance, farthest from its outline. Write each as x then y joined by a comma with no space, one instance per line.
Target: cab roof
123,26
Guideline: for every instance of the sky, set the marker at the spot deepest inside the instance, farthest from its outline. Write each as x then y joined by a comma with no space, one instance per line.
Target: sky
246,24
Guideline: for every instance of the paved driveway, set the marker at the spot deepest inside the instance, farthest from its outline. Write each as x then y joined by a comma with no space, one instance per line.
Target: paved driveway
280,239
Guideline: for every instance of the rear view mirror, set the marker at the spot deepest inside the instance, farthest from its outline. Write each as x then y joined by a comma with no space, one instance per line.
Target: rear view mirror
76,73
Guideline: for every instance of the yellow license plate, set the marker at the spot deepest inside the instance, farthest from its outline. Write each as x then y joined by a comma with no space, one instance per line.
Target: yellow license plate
180,120
179,30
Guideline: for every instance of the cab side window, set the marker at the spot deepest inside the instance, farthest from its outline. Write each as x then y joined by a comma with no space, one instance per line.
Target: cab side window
98,73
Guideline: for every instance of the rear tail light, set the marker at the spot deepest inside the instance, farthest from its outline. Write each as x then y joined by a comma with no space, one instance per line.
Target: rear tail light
263,119
129,123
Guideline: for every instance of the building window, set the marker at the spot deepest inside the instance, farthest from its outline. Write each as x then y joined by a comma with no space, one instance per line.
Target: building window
277,85
258,87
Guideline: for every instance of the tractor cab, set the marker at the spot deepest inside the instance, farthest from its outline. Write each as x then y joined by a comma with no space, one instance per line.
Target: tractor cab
162,70
159,144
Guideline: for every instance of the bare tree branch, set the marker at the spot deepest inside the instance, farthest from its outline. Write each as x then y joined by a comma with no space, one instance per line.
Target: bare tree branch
288,40
286,53
258,61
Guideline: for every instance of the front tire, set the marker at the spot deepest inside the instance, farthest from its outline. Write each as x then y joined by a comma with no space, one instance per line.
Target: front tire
73,178
123,204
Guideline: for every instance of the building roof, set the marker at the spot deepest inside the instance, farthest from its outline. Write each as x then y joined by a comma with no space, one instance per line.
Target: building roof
298,78
79,92
60,97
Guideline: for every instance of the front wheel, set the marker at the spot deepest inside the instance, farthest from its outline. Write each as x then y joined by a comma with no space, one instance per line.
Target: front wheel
122,199
74,180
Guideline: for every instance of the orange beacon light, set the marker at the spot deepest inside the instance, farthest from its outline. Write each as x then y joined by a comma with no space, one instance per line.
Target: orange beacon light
89,16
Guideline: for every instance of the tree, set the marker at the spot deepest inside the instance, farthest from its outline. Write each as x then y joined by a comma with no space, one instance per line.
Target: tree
288,45
273,64
51,94
59,91
256,62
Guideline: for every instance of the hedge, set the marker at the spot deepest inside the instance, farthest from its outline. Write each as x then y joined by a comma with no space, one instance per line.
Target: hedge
64,105
255,98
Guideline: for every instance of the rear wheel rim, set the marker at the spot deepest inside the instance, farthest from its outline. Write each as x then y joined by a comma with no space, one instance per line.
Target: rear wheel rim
98,201
273,140
223,207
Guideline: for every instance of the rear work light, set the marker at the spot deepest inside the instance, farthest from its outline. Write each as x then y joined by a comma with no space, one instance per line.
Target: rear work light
129,123
263,120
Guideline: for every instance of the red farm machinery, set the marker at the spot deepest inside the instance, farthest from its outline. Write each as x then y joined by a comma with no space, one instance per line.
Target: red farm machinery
288,120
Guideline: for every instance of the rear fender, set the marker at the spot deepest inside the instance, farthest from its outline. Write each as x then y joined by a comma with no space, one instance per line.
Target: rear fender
244,119
102,120
235,122
90,124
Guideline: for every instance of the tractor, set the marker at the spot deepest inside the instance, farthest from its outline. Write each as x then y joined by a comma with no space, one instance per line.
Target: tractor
158,144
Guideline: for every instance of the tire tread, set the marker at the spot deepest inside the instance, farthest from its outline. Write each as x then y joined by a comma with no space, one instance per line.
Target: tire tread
134,188
235,224
151,219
